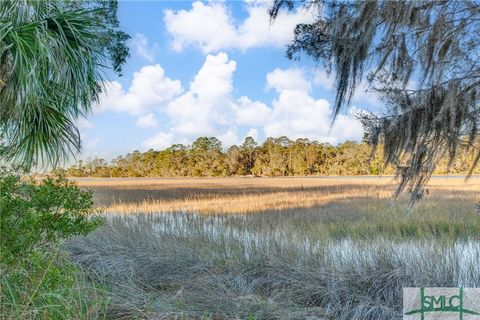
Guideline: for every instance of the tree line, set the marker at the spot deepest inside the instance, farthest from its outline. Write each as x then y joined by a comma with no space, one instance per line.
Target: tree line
281,156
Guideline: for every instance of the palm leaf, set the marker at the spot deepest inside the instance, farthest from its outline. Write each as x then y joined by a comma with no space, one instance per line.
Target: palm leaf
52,57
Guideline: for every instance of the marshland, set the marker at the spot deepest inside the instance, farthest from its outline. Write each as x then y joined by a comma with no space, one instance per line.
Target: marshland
250,159
276,248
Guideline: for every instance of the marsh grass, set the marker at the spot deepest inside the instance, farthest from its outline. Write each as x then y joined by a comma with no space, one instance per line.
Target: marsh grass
49,286
258,249
192,266
254,195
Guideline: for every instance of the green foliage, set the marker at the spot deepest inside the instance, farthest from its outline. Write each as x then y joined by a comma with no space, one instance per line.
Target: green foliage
34,214
275,157
207,144
53,57
37,281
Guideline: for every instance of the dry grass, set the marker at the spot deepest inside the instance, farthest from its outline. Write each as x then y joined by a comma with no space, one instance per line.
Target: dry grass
186,266
319,248
253,195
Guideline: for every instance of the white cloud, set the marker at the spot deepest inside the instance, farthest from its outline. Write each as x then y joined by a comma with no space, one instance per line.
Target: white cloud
256,30
229,138
208,26
147,121
296,114
346,127
211,26
159,141
208,108
323,79
253,113
139,43
150,90
289,79
214,80
252,133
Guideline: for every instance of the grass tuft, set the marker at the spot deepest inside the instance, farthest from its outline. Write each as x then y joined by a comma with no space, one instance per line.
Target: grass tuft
194,266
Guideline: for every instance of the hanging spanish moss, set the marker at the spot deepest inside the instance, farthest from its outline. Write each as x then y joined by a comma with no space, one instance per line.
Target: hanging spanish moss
423,60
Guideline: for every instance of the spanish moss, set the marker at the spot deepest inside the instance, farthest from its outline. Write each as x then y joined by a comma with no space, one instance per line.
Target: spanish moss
422,58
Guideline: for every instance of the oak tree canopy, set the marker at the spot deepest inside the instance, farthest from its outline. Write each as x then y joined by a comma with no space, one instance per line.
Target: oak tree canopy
422,58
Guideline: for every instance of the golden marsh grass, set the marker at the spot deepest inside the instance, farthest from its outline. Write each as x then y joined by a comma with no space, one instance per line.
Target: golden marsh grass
318,248
253,195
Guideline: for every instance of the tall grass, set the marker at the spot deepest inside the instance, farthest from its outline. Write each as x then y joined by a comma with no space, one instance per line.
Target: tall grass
49,286
254,195
300,248
262,266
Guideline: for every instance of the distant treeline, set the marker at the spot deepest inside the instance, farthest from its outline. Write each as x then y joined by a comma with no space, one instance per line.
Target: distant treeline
275,157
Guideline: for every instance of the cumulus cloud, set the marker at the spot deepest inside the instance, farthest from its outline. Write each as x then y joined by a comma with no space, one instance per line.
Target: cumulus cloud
296,114
147,121
288,79
323,79
211,26
207,26
209,108
139,44
159,141
252,113
150,90
252,133
229,138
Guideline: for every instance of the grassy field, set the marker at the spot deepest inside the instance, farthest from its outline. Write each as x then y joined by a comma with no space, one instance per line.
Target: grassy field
253,195
323,207
280,248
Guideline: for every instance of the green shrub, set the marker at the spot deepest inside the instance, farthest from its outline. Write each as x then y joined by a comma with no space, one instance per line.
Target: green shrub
35,214
37,280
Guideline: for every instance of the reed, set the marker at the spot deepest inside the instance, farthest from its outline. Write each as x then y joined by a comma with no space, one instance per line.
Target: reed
286,248
253,195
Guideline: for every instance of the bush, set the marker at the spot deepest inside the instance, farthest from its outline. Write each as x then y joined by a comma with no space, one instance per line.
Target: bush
36,214
37,280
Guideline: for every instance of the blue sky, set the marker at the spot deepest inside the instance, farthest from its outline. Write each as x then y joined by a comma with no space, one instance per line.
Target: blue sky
212,69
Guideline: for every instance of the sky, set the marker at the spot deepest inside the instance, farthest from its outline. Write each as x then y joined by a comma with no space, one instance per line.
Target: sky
214,68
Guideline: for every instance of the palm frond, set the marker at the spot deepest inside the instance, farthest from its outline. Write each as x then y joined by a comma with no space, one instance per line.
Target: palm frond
52,57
